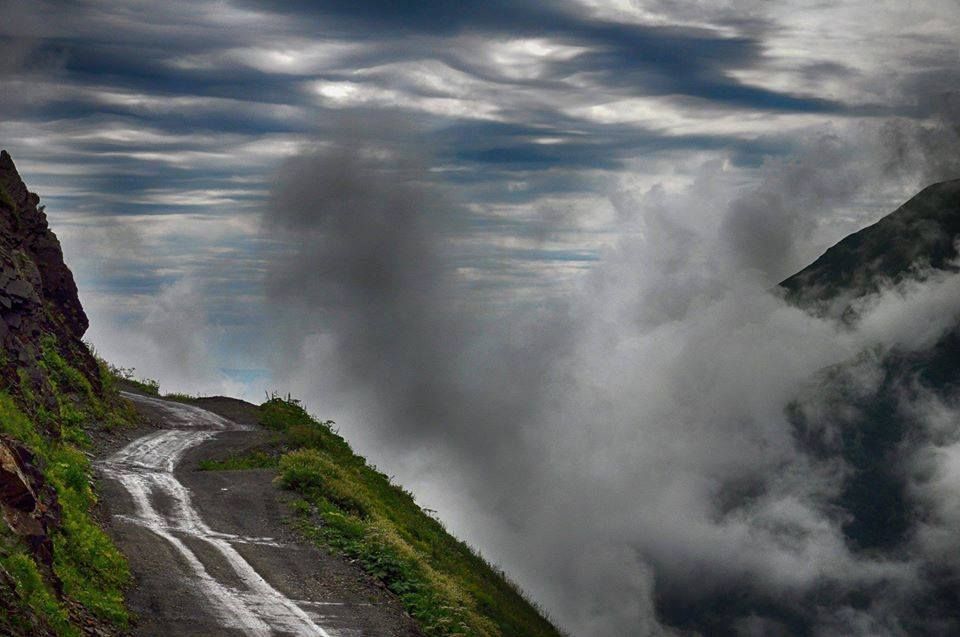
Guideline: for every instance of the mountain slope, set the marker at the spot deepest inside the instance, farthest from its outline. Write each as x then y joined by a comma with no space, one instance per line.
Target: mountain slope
920,234
886,425
343,505
59,573
211,553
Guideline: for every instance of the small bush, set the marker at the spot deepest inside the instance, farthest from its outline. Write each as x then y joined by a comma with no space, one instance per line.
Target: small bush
301,470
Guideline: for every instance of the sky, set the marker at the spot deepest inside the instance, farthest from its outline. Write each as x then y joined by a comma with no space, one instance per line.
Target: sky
521,252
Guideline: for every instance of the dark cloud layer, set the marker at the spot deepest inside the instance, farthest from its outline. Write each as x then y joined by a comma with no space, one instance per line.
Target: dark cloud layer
634,59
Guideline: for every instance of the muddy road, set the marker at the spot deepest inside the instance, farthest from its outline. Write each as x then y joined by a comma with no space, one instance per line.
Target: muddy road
210,552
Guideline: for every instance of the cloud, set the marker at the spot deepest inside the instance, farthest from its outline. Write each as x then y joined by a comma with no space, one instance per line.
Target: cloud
167,336
928,148
633,449
22,61
624,57
373,253
616,439
764,226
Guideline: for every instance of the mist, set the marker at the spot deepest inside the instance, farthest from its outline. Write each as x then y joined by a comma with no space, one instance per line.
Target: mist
624,449
168,336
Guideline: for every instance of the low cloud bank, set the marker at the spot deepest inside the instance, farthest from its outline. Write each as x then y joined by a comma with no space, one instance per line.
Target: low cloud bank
663,449
166,336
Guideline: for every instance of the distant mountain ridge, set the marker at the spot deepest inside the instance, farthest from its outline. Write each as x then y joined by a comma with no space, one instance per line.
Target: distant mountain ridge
873,429
920,234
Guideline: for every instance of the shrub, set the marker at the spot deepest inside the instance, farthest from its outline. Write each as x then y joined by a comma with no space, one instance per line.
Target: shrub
301,470
92,569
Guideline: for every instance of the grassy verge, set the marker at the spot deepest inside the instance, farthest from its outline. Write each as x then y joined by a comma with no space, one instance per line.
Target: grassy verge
91,569
34,610
348,506
253,460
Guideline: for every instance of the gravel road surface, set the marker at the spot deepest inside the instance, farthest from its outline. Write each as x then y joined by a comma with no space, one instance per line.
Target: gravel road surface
209,550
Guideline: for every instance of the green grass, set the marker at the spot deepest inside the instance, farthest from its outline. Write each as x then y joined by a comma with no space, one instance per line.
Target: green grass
253,460
79,406
350,507
91,569
120,412
35,599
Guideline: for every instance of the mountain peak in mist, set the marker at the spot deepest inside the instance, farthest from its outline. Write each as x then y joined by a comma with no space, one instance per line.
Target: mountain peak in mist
918,236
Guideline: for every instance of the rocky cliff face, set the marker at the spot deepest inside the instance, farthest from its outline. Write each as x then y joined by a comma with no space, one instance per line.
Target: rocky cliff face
38,296
28,503
51,399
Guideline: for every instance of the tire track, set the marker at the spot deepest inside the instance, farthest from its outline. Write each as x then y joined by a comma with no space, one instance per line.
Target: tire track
145,469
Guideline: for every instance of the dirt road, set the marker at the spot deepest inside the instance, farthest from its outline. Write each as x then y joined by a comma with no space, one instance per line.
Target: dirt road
209,550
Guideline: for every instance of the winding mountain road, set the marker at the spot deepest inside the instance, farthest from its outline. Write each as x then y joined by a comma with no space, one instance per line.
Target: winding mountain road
209,551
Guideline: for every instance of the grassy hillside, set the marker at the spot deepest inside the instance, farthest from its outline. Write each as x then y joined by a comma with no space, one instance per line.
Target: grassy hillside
349,507
84,584
59,573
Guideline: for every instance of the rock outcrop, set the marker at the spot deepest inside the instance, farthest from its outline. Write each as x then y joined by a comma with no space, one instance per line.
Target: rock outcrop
38,295
57,571
28,504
